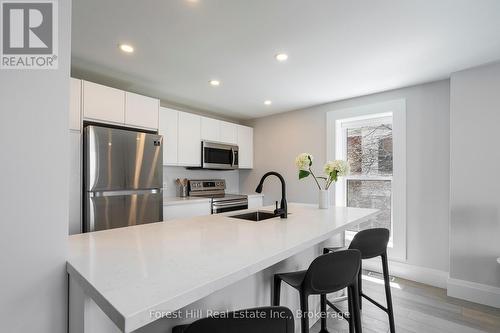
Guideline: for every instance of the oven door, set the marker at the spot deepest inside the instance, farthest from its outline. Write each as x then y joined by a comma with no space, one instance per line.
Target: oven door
219,156
229,206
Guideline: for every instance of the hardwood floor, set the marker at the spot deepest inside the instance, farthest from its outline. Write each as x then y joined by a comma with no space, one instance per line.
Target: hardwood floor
418,308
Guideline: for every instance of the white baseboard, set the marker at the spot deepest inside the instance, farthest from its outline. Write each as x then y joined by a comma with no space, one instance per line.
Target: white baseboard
466,290
429,276
474,292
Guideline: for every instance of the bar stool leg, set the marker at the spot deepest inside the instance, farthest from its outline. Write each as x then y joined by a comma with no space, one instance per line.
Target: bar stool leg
323,314
355,305
360,287
350,307
388,295
304,309
277,290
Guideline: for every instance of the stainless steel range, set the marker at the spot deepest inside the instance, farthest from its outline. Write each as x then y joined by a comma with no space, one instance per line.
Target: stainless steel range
216,190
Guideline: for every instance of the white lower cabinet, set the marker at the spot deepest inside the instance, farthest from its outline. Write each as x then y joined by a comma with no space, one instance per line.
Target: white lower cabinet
186,210
255,202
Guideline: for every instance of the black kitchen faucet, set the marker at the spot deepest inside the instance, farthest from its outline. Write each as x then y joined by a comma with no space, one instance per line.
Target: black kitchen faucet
282,211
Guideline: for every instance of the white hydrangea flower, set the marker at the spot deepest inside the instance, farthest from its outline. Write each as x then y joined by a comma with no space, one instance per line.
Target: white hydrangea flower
303,161
342,168
328,168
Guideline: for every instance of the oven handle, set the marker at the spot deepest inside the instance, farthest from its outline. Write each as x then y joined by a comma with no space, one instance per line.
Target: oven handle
230,204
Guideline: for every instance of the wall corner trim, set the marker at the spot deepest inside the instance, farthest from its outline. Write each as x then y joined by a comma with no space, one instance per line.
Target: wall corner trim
430,276
474,292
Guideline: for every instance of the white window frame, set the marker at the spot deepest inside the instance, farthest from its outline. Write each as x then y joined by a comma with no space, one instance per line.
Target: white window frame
336,149
341,127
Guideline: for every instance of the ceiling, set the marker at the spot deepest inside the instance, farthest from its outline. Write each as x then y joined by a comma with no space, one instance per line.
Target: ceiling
337,49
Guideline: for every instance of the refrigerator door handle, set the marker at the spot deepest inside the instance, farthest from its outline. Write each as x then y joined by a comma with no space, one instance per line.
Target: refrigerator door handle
118,193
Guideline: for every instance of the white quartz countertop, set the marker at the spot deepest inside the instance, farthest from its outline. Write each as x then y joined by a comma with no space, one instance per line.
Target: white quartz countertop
165,266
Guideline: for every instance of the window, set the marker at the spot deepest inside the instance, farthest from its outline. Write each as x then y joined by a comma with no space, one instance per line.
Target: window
371,138
368,149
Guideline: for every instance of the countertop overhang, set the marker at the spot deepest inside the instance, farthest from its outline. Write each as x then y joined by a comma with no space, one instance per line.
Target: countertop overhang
165,266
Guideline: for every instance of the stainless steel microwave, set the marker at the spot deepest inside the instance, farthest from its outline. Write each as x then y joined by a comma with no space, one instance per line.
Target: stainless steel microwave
219,156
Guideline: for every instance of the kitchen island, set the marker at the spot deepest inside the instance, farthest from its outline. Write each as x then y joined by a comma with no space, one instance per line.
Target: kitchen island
150,277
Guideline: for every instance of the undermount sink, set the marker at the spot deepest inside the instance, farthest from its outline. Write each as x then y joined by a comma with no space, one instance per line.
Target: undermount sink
255,216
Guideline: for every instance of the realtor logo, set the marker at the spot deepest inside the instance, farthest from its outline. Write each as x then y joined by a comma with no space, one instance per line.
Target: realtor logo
29,34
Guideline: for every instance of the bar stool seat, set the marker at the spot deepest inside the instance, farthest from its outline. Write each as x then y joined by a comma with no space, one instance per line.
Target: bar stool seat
294,279
269,319
327,273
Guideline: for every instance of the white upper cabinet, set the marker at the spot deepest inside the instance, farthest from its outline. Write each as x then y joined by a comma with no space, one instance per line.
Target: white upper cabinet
189,144
110,105
141,111
228,132
183,132
168,127
103,103
75,104
245,144
210,129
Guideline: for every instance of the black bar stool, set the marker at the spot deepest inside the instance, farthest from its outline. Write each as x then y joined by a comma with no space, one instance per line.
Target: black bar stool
326,274
268,319
373,243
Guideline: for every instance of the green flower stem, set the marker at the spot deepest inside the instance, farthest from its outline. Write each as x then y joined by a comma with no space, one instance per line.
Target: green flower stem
331,180
315,179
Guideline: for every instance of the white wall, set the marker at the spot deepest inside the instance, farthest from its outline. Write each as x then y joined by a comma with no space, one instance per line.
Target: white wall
475,188
171,173
34,193
279,138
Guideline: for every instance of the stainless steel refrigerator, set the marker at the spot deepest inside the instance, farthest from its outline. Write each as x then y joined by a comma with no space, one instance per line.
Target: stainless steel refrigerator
123,178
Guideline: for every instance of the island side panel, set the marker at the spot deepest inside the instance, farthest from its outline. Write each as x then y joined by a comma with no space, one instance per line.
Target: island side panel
85,315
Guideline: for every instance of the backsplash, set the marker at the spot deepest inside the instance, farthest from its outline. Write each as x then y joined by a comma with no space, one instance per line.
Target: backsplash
171,173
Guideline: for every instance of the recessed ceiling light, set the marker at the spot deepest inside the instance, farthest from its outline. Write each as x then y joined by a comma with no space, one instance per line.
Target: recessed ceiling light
126,48
281,56
268,102
214,83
